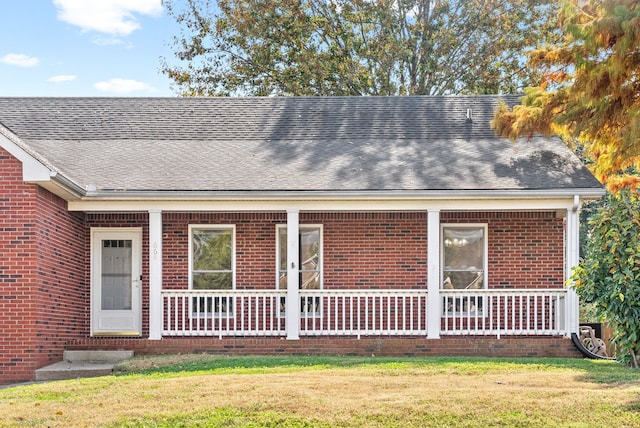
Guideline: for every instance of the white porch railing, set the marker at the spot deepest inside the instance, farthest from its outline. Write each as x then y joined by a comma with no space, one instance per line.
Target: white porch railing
363,312
223,313
503,312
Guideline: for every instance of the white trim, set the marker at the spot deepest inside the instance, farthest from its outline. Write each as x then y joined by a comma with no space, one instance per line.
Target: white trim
572,258
301,227
363,203
115,233
434,302
292,309
156,310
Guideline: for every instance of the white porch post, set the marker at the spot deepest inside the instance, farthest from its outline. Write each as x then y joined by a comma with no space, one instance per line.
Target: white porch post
433,274
572,257
155,275
293,292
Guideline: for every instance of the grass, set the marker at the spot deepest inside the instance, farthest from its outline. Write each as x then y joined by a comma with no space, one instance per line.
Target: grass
205,390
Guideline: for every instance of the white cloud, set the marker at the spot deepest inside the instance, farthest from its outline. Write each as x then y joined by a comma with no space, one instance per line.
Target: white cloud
115,17
62,78
123,86
19,60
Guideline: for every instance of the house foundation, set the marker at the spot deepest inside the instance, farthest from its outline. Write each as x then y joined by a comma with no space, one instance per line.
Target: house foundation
514,347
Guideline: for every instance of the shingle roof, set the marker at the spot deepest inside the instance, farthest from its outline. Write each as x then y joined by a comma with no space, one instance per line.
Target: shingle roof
287,144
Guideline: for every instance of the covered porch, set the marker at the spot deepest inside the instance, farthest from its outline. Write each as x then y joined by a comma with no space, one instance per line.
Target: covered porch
287,310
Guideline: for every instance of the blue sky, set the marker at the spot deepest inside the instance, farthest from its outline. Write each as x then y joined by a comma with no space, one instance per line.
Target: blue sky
84,48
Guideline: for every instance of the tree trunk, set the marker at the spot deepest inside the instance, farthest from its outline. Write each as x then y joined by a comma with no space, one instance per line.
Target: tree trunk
634,359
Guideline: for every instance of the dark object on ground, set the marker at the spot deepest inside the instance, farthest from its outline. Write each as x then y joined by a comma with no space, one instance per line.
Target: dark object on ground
590,345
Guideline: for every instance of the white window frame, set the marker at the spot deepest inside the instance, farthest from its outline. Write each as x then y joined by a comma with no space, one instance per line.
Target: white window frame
301,227
485,261
231,227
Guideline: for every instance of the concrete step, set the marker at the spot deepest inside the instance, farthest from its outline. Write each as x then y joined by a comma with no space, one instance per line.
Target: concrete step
65,370
80,364
97,356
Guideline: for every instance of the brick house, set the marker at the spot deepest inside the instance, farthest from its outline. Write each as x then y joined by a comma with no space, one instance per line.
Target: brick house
398,226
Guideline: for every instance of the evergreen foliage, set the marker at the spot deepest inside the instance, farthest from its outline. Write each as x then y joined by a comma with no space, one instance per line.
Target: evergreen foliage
609,274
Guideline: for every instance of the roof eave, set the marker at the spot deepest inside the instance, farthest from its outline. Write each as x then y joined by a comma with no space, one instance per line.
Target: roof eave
479,200
35,170
63,187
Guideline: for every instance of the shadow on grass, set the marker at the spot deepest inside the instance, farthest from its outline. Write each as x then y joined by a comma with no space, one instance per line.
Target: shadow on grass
595,371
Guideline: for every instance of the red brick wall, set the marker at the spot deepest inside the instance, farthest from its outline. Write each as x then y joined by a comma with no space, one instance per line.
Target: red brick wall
376,250
255,247
392,245
42,282
63,293
373,250
525,249
18,259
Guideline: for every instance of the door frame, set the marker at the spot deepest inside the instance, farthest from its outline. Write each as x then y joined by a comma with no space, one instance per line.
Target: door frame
116,233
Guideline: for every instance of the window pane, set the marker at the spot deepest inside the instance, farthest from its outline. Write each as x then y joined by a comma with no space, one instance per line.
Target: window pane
310,280
116,275
212,249
309,249
463,280
463,257
212,281
282,280
282,246
464,248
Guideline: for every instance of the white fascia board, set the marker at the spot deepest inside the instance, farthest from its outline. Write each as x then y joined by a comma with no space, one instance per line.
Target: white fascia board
36,172
397,201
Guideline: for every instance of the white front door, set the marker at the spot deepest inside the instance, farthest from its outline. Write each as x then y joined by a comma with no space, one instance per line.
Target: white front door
116,271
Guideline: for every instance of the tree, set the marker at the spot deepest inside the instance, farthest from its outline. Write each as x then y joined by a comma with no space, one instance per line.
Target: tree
355,47
609,275
590,89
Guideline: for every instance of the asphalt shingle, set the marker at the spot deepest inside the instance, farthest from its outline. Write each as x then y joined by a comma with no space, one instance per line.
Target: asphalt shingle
287,144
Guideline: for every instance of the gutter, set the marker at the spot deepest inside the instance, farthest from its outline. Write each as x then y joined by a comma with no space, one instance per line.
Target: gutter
66,185
577,195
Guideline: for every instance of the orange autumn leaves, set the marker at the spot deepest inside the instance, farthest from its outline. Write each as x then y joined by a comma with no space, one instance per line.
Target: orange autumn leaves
590,92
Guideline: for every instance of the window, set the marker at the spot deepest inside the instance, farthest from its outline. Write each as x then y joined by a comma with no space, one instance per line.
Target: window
464,261
117,259
212,265
309,261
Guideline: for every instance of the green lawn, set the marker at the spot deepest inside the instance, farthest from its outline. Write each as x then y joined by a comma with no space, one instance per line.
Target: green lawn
204,390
